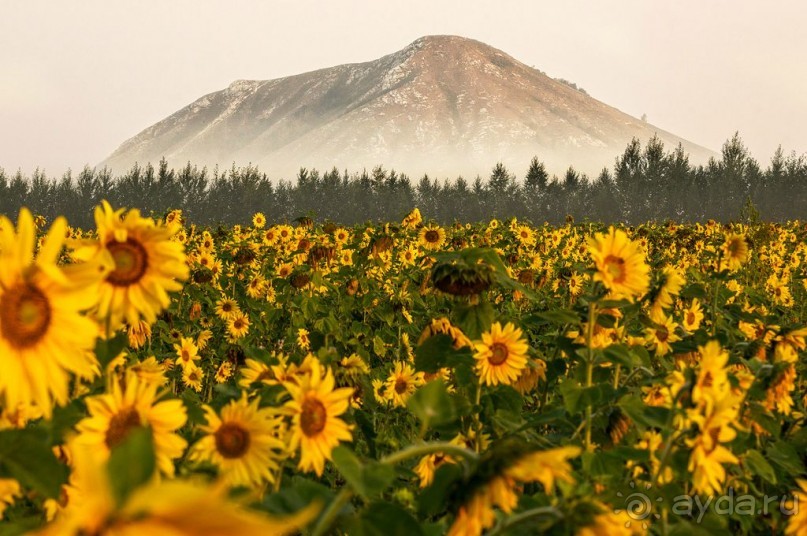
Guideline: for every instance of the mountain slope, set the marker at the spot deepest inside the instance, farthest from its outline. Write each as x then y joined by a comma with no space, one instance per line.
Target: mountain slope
443,105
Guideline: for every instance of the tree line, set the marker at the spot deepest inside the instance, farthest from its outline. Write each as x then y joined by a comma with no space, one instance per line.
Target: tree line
647,183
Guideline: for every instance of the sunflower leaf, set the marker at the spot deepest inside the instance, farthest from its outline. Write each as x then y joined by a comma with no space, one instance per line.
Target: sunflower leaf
432,405
26,455
132,463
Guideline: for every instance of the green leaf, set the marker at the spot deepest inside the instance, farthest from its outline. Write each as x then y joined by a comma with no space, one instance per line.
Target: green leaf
432,405
642,414
435,498
366,480
474,319
786,457
619,355
438,352
758,465
560,316
107,350
132,463
385,519
27,456
18,527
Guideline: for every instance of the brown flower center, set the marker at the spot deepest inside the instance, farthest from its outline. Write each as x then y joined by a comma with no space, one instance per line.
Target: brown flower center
131,262
615,267
232,441
25,315
498,354
662,335
401,386
313,417
431,236
120,425
690,318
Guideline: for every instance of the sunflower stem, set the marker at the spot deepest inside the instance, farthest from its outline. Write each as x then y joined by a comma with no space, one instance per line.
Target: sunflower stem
514,520
416,451
592,318
329,515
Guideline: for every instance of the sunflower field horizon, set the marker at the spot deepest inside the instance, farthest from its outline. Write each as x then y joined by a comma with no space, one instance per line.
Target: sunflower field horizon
407,376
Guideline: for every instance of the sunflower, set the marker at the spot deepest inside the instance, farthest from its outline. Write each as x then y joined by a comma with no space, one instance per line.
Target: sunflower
501,355
224,372
432,237
315,408
244,442
620,264
735,251
147,265
187,352
258,220
238,326
525,235
159,507
227,308
797,523
9,492
661,335
693,316
303,340
125,407
192,377
138,334
256,371
43,335
401,384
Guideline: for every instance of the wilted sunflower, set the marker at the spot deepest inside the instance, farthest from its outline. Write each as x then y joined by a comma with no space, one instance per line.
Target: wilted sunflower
147,265
620,264
432,237
122,409
501,355
243,443
43,335
315,408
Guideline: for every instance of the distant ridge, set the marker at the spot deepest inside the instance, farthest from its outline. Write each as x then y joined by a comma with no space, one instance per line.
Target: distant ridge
444,105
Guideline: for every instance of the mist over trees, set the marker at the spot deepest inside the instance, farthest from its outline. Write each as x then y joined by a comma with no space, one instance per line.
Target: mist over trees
646,183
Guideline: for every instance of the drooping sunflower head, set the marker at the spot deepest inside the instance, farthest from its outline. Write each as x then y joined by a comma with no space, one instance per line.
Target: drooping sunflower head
147,264
620,264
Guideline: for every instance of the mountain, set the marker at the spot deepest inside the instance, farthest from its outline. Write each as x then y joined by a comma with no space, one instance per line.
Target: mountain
444,105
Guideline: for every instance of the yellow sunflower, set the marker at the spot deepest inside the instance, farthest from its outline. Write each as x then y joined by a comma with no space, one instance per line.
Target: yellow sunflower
432,237
147,265
192,377
243,443
125,407
160,507
187,352
227,308
501,355
9,492
620,264
797,523
238,326
315,408
401,384
735,251
43,335
259,220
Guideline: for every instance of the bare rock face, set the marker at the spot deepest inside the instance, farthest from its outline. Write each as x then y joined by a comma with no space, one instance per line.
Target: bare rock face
444,105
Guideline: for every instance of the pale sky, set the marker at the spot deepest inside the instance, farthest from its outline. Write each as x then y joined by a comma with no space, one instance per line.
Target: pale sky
77,78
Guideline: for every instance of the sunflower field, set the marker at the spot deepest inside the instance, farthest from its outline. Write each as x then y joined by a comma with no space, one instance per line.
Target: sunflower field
157,377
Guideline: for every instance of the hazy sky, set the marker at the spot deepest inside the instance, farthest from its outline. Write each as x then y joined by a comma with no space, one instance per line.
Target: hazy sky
78,78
